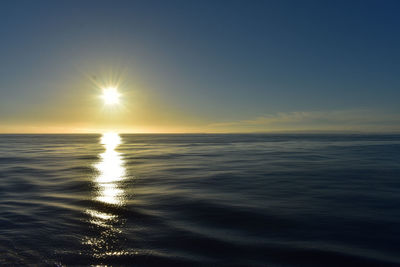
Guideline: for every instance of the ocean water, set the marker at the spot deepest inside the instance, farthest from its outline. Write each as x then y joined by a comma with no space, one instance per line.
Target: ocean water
200,200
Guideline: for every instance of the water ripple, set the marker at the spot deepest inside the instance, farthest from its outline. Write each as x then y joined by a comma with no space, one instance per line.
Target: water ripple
190,200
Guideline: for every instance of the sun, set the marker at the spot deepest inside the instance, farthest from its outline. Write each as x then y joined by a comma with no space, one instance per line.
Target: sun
110,96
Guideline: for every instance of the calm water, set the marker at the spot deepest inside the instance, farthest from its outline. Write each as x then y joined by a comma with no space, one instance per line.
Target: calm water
253,200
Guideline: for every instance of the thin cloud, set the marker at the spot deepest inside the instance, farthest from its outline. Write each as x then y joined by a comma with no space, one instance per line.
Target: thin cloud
342,120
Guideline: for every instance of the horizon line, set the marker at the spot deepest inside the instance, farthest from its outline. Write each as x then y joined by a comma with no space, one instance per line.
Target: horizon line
171,133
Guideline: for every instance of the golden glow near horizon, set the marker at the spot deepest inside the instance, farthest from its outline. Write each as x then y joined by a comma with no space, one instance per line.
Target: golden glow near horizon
111,96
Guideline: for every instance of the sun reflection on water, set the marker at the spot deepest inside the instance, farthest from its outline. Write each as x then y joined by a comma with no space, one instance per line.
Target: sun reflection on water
111,170
105,220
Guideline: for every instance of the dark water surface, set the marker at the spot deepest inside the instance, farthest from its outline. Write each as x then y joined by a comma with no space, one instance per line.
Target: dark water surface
209,200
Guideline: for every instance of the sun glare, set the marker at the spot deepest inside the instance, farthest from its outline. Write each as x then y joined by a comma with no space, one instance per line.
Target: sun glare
110,96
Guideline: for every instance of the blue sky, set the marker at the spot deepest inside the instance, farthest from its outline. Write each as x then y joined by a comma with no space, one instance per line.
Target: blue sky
208,66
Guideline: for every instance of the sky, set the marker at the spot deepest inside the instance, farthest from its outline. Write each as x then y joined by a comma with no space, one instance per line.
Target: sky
200,66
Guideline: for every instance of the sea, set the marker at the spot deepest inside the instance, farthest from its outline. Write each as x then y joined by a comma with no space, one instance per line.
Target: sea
200,200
